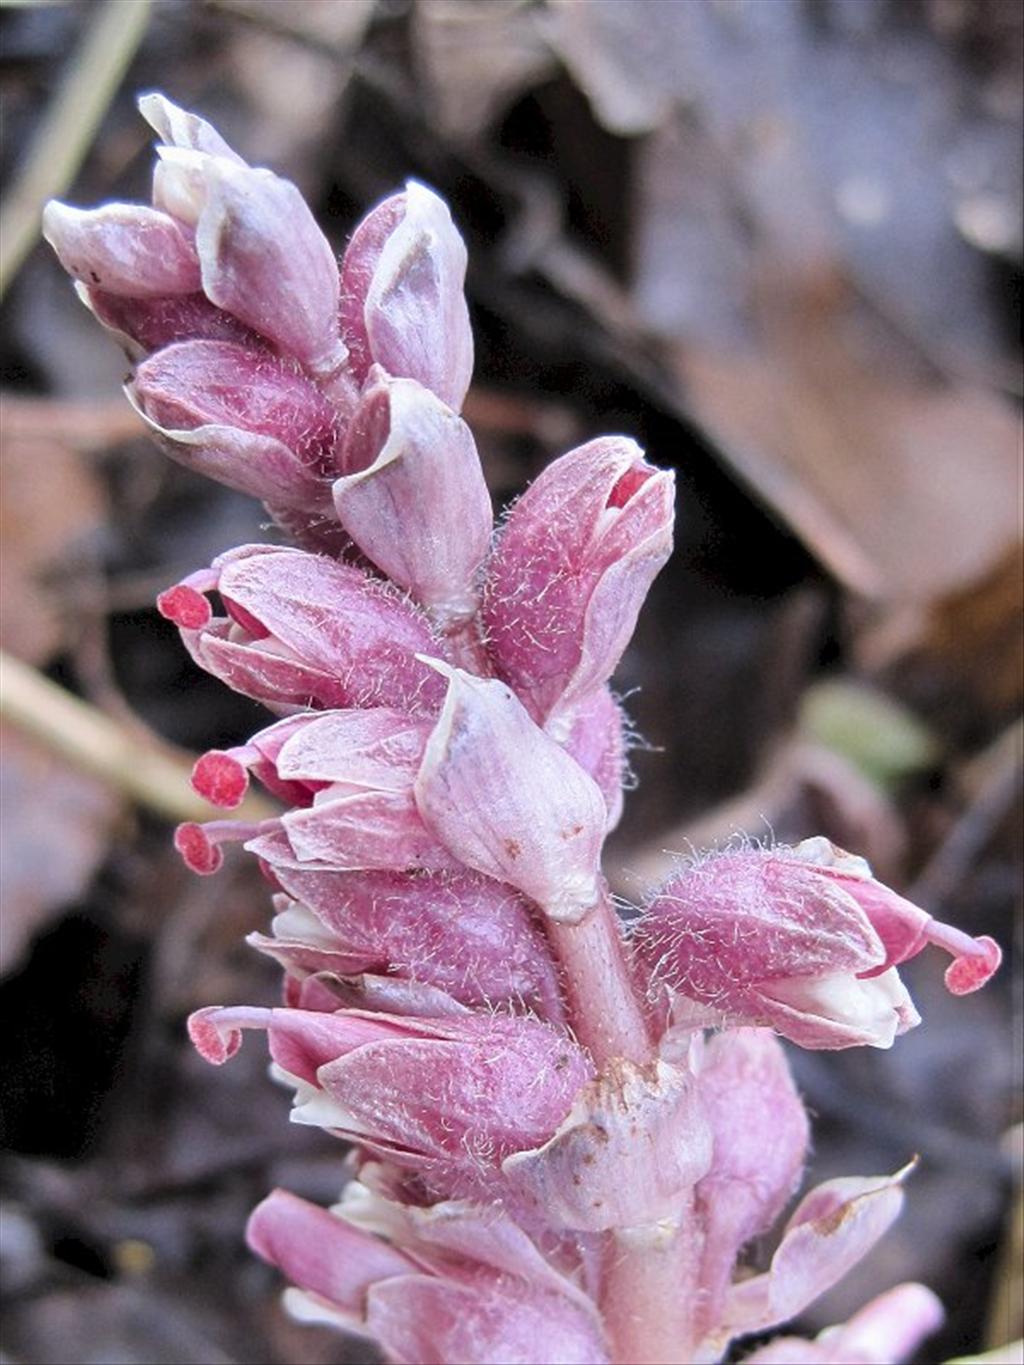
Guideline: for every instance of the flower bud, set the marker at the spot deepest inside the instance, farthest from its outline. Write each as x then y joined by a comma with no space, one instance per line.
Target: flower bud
402,301
240,416
123,249
773,937
508,801
304,631
413,497
570,573
265,261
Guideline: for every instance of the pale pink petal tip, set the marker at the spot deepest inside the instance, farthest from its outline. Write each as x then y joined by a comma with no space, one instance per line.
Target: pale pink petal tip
221,779
970,971
184,606
198,851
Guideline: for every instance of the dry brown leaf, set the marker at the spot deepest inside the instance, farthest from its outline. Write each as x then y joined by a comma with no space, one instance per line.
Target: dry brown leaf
50,503
906,490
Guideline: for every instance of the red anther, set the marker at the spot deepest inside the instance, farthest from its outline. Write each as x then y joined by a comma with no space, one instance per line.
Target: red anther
246,620
221,779
198,851
184,606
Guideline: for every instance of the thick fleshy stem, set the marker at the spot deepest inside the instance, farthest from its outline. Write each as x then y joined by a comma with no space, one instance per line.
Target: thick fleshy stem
650,1277
603,1009
650,1292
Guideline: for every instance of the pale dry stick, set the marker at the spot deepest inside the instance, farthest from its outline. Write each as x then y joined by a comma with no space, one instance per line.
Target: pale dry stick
130,761
68,127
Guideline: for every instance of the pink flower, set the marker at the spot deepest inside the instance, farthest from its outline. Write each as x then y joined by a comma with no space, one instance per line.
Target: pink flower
570,571
354,771
459,1284
447,1098
777,937
471,937
302,630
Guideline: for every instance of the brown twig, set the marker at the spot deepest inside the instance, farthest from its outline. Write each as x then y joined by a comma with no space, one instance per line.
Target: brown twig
131,760
69,124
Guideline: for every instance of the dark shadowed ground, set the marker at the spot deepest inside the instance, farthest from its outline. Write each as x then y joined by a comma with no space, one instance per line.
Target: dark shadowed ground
779,242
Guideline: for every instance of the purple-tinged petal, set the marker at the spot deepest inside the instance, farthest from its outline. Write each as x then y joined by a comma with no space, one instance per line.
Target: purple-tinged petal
180,128
123,249
417,504
403,305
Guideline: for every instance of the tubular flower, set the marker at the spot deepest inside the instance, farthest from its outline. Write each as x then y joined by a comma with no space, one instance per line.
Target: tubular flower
551,1161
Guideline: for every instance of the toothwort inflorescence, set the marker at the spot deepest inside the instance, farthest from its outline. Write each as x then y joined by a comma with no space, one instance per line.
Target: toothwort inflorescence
563,1134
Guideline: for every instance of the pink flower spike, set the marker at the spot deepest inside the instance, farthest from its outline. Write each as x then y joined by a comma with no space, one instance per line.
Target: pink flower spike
888,1329
123,249
403,305
416,504
570,572
508,801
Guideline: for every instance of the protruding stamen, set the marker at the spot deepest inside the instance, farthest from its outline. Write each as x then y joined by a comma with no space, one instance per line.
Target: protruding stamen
974,959
185,604
216,1031
199,844
220,775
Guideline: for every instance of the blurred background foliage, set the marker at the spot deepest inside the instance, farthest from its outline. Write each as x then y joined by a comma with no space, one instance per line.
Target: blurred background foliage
779,242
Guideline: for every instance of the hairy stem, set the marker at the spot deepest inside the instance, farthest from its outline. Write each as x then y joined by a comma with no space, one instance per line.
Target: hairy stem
650,1276
650,1293
603,1008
